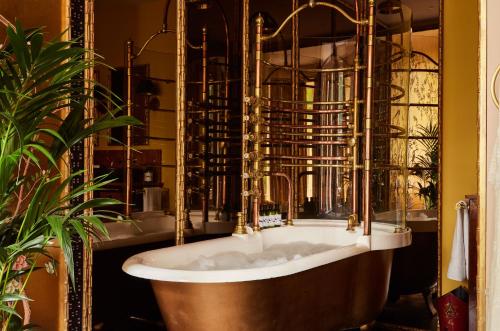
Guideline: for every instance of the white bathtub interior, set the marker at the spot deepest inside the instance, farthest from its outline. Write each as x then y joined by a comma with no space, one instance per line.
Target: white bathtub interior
167,263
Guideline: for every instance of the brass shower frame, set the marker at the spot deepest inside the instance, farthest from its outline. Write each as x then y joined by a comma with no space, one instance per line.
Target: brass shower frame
369,97
252,122
221,116
245,78
180,215
255,157
204,111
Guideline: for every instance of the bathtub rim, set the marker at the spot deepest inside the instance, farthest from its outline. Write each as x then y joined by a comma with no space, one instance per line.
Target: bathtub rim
383,238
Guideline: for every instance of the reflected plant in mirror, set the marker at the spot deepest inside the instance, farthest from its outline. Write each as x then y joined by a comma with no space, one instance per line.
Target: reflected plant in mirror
41,118
426,165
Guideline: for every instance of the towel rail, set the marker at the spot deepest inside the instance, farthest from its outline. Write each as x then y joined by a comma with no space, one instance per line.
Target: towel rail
472,204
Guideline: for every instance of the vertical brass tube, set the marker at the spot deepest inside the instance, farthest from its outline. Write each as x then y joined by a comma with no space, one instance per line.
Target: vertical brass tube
355,121
242,218
128,151
295,96
226,105
256,171
367,215
204,82
89,165
180,123
205,179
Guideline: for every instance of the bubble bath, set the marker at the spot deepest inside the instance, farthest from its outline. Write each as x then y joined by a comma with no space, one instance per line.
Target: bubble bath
273,255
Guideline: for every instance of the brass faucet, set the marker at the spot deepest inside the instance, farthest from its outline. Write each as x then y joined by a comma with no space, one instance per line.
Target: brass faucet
352,222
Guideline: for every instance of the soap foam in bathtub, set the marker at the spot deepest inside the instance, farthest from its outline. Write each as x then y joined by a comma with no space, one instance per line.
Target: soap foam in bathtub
273,255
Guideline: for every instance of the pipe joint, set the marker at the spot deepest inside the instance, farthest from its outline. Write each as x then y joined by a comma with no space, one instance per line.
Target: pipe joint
249,137
247,193
250,100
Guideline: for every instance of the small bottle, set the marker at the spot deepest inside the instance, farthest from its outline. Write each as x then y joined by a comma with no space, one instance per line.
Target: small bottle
148,176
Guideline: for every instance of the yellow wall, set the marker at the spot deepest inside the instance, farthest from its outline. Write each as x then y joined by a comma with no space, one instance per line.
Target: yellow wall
47,291
36,13
459,117
115,22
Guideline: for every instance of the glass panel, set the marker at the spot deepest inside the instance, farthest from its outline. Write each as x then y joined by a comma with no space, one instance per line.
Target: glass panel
423,125
389,182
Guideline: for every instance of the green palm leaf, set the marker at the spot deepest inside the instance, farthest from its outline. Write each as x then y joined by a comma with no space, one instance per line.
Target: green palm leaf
39,81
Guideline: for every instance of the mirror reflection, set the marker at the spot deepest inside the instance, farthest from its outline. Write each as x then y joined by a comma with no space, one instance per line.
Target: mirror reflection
310,80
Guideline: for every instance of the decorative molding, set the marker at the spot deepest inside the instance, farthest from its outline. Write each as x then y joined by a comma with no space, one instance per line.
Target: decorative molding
77,162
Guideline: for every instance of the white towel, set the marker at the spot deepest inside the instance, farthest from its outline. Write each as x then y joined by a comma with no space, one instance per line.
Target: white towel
458,268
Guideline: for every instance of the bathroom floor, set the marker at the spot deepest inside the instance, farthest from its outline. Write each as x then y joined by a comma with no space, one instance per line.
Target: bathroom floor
408,313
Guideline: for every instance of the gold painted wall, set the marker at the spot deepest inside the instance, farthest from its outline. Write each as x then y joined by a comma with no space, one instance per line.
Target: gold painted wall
47,291
459,117
35,13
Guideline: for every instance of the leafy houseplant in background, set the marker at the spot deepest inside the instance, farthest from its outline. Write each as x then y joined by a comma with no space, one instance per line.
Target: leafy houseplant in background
42,102
427,163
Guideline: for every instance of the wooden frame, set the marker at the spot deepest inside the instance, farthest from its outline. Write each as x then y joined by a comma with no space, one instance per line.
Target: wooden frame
81,17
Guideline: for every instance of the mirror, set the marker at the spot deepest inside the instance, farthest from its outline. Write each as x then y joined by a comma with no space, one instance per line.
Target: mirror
212,143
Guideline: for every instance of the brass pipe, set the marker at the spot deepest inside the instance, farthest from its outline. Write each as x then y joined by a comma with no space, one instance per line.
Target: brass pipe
128,151
204,79
307,173
153,36
304,111
301,157
367,171
289,219
180,214
89,115
309,70
312,4
242,217
192,46
221,195
295,64
323,127
355,122
309,142
205,182
256,169
319,165
344,103
309,134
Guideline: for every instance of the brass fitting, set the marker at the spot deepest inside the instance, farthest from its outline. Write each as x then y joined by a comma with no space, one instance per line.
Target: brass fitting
352,222
399,229
240,225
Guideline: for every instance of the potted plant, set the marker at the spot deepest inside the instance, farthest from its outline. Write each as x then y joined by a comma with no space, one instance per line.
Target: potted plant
43,99
427,163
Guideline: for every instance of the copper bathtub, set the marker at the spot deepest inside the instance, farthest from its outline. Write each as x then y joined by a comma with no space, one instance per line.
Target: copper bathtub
341,288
